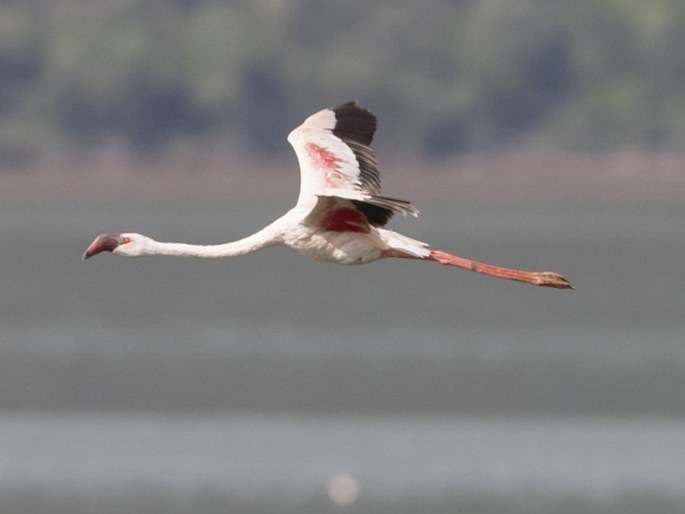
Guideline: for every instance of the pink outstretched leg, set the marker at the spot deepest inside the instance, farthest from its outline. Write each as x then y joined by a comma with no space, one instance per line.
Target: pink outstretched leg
537,278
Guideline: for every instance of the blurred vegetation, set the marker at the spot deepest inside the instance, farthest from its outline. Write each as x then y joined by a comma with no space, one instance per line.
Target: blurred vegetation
445,75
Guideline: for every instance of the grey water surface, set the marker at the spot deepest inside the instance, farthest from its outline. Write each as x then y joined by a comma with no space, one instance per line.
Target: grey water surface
174,385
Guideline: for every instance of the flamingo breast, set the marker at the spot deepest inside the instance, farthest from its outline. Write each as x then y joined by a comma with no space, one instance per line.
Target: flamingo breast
338,236
339,247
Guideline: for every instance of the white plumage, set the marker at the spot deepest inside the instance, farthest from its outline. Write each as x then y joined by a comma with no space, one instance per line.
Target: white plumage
339,215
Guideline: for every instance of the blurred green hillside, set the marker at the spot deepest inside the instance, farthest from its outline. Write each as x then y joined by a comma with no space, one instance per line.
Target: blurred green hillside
445,76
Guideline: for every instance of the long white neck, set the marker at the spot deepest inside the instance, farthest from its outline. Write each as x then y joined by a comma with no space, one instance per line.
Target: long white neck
252,243
217,251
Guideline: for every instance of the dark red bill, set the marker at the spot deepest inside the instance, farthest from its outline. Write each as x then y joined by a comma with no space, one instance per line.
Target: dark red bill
106,242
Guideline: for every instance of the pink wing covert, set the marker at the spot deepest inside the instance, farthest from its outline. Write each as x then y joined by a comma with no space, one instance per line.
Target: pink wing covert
332,148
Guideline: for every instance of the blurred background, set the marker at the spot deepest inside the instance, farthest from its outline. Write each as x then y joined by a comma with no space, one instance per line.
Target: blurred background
532,134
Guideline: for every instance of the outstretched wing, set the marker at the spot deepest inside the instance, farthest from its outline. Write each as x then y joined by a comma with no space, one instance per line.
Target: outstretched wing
332,147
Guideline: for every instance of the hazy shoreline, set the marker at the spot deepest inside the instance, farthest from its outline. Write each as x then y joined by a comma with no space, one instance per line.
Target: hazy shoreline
621,175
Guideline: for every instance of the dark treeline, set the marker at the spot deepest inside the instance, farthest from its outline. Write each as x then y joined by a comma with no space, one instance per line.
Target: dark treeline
446,76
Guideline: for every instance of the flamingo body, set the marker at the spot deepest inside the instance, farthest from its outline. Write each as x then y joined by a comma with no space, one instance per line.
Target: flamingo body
339,215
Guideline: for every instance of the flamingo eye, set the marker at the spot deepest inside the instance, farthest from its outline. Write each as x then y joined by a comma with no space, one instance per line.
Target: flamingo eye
125,240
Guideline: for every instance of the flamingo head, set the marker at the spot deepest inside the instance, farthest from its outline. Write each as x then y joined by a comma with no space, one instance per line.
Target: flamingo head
129,244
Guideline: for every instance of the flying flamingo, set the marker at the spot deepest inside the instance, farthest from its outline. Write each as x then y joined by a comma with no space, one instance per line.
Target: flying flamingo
339,215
